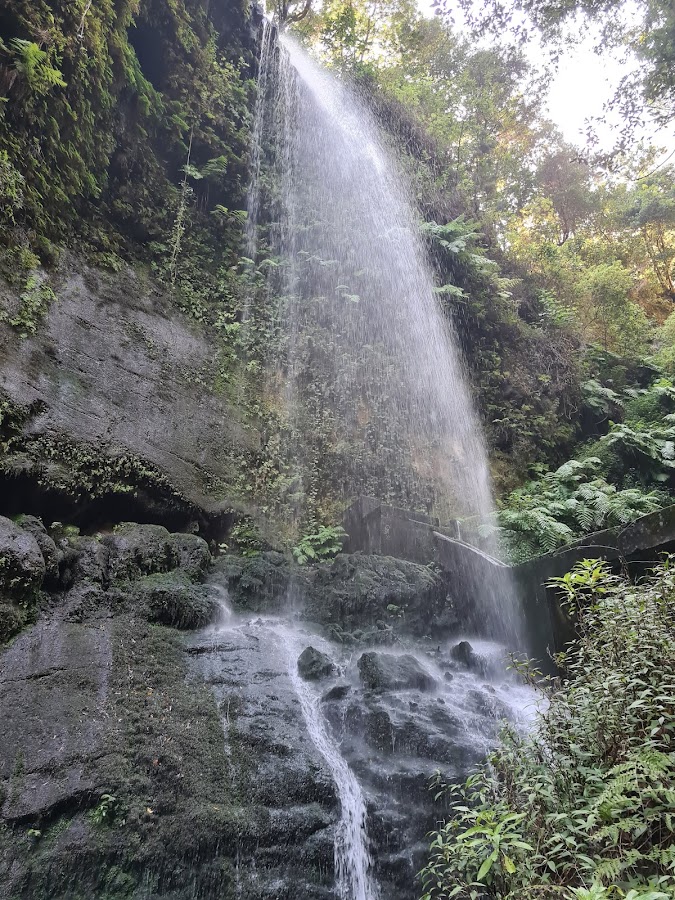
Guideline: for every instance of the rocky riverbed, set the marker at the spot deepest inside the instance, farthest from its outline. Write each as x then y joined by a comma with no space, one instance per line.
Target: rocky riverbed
178,729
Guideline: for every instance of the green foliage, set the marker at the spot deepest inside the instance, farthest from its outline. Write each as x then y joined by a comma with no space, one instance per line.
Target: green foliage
665,353
80,471
100,101
33,305
566,504
34,65
245,537
106,810
324,543
600,399
582,808
647,452
554,312
11,192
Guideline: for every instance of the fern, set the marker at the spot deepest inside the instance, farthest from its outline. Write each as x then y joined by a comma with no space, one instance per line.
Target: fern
565,505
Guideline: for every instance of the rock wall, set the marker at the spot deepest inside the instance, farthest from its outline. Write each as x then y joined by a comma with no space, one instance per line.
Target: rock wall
117,373
155,743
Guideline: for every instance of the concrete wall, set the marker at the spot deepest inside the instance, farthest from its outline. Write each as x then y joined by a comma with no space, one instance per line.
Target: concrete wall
374,527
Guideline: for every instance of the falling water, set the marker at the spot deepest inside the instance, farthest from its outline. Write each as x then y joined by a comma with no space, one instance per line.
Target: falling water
451,722
352,859
368,369
358,298
253,199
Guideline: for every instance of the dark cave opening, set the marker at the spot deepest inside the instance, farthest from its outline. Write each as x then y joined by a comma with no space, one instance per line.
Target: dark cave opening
24,494
150,53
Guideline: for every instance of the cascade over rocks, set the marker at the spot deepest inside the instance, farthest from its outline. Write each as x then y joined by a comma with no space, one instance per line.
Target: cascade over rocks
199,737
314,665
383,672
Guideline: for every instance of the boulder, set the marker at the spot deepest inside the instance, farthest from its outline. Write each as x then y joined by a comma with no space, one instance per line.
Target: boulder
464,654
313,664
387,672
22,566
180,606
91,560
194,557
357,590
338,692
136,550
51,554
259,583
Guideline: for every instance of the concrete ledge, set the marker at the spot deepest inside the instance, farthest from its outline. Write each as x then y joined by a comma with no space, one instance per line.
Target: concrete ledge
374,527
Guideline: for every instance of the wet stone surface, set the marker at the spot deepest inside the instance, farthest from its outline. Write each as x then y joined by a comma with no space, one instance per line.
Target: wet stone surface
391,715
159,743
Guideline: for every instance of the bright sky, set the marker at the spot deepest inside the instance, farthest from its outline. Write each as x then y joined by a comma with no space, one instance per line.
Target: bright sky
584,82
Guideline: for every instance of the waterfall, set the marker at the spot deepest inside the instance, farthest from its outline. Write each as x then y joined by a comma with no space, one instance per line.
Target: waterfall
352,858
253,198
437,707
367,367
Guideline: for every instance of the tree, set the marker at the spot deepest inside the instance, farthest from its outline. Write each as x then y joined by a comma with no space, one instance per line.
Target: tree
604,291
358,34
286,12
566,179
652,41
649,210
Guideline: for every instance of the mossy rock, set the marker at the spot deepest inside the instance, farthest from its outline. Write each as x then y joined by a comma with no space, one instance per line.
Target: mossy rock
181,607
22,566
50,552
170,599
12,620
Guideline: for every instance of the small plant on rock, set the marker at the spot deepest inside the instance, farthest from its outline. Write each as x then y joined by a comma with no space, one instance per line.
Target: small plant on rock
324,543
105,812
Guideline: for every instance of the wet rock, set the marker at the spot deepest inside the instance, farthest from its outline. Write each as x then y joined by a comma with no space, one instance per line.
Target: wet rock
180,606
167,598
22,566
379,730
367,597
313,664
387,672
464,654
360,589
111,369
51,554
86,600
136,550
338,692
12,620
194,557
90,559
59,672
487,703
259,583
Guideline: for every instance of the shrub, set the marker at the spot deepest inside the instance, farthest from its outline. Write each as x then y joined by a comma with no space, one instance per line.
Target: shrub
566,504
582,809
324,543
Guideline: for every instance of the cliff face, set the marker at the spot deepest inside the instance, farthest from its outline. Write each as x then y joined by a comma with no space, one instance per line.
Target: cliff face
114,404
123,156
